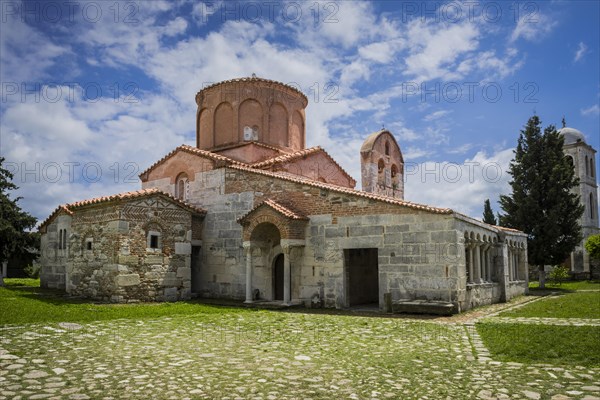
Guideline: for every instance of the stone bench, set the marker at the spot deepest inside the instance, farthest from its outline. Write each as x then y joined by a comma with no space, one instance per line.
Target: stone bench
423,307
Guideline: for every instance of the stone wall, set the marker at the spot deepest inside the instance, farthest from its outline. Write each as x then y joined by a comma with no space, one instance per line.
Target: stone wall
53,258
421,255
110,257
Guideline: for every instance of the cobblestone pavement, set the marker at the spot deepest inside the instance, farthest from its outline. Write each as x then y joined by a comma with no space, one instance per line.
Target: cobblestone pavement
271,355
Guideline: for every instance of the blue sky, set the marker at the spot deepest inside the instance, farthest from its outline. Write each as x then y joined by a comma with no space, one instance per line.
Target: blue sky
94,92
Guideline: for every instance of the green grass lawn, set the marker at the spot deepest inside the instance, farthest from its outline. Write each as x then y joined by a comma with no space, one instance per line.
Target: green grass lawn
569,285
23,301
560,345
529,343
567,305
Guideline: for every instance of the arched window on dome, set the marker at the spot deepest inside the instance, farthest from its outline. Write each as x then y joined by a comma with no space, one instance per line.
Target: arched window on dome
381,172
182,186
387,148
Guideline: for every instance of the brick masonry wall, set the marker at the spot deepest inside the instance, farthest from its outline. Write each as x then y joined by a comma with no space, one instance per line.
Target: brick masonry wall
120,267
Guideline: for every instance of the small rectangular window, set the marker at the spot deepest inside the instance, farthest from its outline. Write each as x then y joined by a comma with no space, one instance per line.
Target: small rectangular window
154,241
89,245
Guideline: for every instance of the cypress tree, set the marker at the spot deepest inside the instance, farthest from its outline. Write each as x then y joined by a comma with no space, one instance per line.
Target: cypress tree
488,214
542,203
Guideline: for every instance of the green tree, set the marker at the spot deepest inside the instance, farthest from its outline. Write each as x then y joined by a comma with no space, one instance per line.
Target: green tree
14,222
592,245
542,203
488,214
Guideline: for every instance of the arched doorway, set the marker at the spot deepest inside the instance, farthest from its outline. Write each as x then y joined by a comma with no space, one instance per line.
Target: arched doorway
278,277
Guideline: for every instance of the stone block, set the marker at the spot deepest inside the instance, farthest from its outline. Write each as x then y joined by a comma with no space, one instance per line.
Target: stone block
117,299
366,230
332,233
361,242
170,294
153,275
397,228
127,280
185,273
229,234
392,238
127,259
183,248
415,237
153,259
170,279
108,268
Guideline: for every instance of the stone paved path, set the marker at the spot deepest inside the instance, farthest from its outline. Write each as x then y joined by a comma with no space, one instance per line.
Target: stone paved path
270,355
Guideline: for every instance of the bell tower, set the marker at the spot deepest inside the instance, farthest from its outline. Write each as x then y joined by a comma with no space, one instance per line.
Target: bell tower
382,165
583,158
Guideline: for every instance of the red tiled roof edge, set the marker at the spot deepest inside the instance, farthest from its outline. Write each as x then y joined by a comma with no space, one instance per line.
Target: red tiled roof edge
191,150
118,197
254,79
297,154
340,189
286,212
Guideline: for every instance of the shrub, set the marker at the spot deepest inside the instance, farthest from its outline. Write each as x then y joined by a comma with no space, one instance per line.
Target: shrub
559,274
33,271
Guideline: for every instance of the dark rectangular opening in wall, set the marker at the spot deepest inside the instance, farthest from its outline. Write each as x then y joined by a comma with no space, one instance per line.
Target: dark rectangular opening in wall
362,276
89,245
154,241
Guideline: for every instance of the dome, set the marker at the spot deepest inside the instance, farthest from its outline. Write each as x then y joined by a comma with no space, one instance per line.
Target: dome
571,135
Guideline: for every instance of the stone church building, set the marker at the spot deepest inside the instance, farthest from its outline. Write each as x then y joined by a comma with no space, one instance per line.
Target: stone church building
250,213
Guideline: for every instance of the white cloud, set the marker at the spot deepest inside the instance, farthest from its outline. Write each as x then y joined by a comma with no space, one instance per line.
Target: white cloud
532,26
381,52
592,110
434,49
175,27
437,115
581,50
462,187
26,52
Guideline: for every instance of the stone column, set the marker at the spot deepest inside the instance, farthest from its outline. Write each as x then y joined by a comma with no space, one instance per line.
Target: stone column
477,266
486,260
4,269
287,277
248,251
511,261
470,248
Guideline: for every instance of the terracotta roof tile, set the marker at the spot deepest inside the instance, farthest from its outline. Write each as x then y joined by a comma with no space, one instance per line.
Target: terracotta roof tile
254,79
254,142
68,208
286,212
507,229
340,189
287,157
191,150
299,154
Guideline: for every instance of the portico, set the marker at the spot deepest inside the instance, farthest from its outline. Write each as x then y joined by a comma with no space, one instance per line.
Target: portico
271,231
